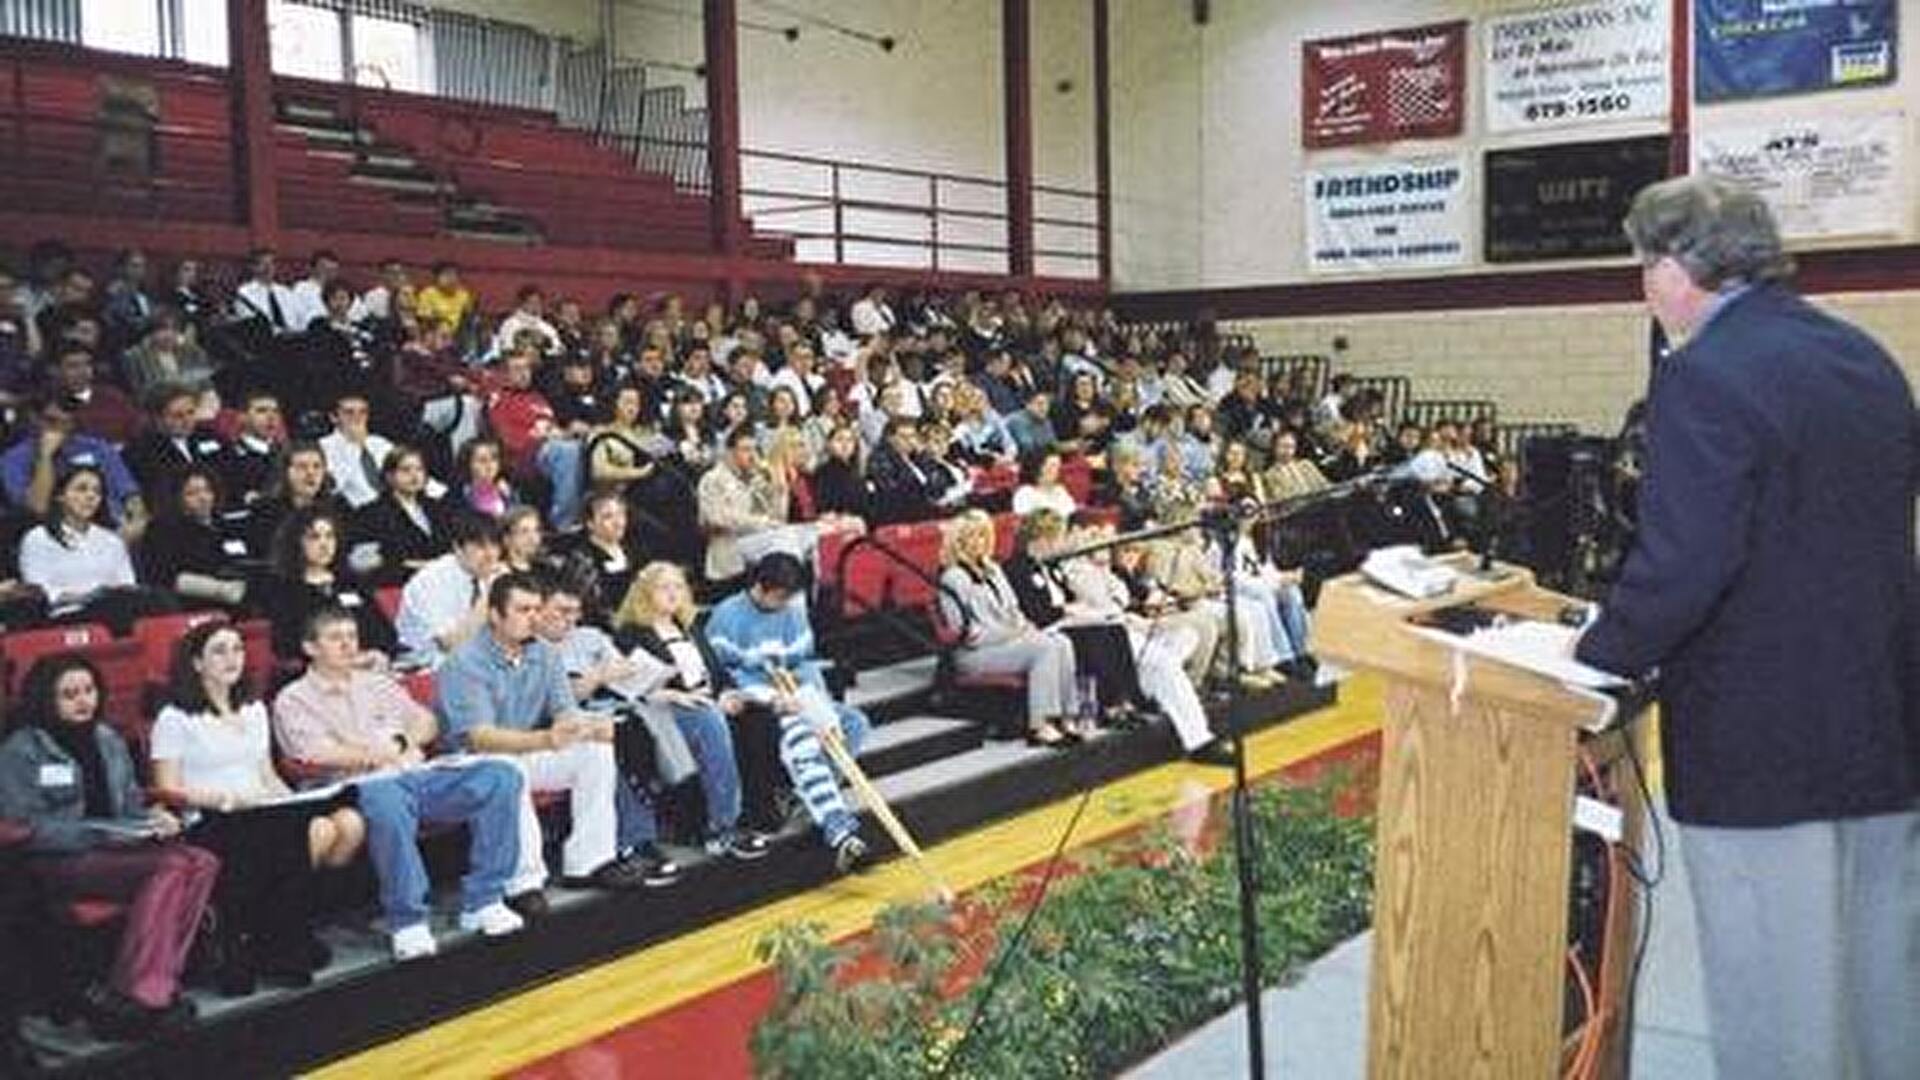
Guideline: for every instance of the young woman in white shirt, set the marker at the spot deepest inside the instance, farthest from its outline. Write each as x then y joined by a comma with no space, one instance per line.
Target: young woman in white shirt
1043,489
212,757
79,562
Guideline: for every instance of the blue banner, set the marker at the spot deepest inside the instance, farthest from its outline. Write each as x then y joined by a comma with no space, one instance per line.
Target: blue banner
1760,48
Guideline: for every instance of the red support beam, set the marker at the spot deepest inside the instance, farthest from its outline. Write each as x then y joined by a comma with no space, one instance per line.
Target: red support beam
722,25
1017,63
1680,107
250,68
1102,140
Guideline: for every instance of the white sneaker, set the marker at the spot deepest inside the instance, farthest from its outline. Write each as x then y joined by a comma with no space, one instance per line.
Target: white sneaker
494,920
413,943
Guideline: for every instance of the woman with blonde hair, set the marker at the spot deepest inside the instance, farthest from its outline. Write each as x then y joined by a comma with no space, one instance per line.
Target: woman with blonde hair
656,617
995,635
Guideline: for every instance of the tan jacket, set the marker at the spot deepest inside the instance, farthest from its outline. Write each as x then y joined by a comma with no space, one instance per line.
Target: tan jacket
732,507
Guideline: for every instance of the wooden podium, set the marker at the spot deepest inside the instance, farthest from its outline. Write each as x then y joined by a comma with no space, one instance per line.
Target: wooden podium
1474,847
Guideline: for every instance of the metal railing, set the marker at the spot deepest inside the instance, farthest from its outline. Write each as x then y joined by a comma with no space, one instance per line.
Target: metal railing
854,213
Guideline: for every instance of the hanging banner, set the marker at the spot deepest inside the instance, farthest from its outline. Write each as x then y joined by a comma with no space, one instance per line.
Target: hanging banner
1827,176
1395,84
1566,202
1578,64
1759,48
1409,215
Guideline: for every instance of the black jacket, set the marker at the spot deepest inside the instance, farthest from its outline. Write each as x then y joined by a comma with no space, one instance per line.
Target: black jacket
401,541
1029,580
1773,576
838,488
644,637
156,460
899,492
291,602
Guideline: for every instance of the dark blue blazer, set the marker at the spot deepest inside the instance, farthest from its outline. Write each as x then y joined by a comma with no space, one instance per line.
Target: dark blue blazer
1773,579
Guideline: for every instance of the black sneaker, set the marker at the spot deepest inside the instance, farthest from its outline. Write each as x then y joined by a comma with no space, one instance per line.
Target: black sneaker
530,905
656,870
1216,752
849,853
742,846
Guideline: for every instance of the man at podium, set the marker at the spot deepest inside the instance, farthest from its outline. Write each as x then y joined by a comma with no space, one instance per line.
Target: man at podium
1773,583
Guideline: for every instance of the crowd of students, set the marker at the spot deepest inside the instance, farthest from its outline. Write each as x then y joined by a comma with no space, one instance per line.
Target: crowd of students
549,493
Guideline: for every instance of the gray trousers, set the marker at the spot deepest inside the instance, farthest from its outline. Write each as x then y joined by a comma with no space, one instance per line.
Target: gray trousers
1044,657
1810,947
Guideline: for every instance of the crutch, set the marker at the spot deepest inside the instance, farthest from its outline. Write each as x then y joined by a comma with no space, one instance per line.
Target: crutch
830,738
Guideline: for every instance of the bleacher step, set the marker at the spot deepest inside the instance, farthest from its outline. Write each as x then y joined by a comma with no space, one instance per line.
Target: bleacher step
900,745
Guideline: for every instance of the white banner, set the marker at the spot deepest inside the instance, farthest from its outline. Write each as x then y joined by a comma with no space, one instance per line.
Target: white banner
1578,64
1823,176
1407,215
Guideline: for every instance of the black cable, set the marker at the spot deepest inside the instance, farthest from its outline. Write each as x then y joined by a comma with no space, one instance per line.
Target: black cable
1014,944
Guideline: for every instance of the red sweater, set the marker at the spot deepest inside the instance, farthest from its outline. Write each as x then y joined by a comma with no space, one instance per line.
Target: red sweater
515,415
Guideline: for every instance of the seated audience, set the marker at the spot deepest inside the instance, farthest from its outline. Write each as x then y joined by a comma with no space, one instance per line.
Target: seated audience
656,617
355,455
1101,651
1042,488
600,557
1288,475
504,692
212,755
980,605
98,408
70,778
193,548
406,525
762,631
738,499
444,603
523,542
904,489
840,483
301,482
247,470
309,573
79,563
344,721
1161,649
173,441
1032,427
167,353
480,485
1187,568
51,448
523,421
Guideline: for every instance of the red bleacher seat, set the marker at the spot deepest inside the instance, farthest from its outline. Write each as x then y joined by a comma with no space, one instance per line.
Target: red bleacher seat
1004,527
387,599
1098,515
158,634
863,587
919,542
261,664
119,662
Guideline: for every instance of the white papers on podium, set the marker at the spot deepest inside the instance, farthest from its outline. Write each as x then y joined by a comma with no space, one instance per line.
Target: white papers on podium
1543,648
1406,571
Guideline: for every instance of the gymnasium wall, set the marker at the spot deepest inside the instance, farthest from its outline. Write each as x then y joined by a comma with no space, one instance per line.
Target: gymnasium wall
1207,188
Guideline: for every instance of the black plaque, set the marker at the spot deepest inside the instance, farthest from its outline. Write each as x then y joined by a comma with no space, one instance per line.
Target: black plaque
1566,201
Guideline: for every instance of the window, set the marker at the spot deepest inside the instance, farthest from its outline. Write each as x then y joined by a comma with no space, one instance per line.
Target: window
128,26
386,53
306,41
203,31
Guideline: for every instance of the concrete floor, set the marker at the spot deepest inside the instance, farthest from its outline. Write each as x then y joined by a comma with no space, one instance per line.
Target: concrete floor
1316,1029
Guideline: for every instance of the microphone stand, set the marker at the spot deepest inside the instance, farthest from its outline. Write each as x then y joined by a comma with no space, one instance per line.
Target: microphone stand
1223,524
1489,528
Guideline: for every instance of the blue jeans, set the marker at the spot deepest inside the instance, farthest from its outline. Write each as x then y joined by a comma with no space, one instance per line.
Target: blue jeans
1293,616
710,738
812,772
561,462
637,823
484,796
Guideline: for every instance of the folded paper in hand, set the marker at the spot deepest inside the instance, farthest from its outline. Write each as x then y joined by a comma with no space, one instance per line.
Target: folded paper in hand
650,673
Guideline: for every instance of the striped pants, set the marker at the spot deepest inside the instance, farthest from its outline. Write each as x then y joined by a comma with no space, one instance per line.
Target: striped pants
809,767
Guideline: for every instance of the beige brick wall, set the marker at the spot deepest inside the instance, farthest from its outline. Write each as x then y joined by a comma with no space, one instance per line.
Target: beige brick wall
1582,364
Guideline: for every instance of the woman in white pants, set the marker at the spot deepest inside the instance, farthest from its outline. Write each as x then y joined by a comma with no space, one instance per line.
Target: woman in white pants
1189,569
998,637
1160,648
